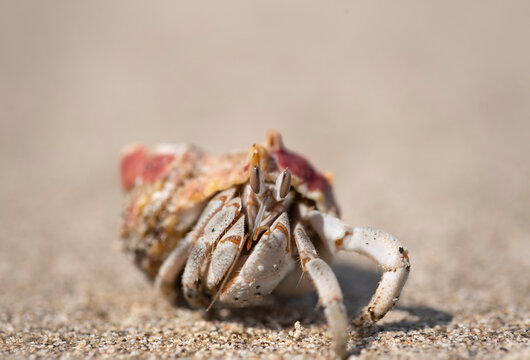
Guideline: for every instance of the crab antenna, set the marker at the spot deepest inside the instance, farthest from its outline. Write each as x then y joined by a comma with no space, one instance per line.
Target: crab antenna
257,184
259,217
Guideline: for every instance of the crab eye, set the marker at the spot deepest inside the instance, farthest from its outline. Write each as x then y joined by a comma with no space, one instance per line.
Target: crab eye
283,185
257,180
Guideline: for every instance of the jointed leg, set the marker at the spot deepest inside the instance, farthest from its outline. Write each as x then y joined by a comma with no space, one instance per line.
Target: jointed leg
329,292
226,253
393,258
172,266
216,226
378,245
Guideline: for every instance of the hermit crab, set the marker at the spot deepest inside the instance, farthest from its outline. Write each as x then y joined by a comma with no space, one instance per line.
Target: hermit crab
229,229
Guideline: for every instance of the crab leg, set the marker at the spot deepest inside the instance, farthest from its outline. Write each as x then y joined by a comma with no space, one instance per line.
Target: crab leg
216,226
172,266
328,289
378,245
226,253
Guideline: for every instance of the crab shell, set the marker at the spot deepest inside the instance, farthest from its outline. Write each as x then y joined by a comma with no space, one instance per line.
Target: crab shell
168,186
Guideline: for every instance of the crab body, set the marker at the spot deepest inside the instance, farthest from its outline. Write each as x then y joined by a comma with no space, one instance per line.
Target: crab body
230,229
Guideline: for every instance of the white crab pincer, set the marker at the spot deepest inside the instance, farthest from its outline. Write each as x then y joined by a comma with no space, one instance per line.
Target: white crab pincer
229,229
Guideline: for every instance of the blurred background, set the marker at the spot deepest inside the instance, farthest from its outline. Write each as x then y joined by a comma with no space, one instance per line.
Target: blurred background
420,110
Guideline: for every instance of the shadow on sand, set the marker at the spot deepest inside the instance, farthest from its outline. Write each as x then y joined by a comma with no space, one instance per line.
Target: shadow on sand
358,285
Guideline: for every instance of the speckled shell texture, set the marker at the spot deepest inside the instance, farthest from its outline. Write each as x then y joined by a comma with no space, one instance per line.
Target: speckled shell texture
168,186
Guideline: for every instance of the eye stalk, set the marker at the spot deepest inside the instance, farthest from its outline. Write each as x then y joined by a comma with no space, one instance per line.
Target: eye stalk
257,180
283,185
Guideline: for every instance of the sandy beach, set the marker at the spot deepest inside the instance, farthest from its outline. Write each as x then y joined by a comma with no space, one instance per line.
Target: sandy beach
421,112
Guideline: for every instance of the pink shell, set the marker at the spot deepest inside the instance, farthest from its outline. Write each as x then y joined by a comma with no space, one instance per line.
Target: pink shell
143,165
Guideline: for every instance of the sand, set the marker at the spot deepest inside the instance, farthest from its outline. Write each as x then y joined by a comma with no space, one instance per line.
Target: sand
420,111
